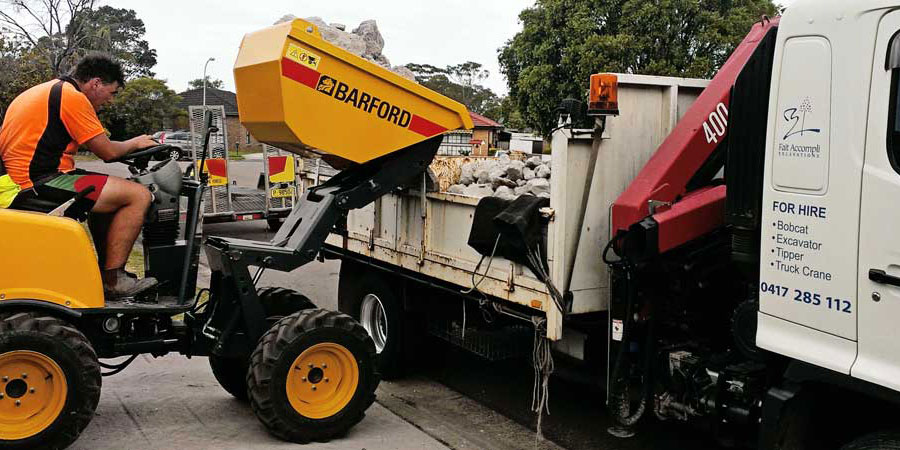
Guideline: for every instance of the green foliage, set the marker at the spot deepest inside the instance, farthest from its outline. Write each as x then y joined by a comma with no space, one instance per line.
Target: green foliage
20,69
42,40
197,83
142,107
563,42
461,83
120,33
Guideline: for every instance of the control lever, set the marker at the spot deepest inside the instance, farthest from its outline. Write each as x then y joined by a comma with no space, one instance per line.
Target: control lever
880,276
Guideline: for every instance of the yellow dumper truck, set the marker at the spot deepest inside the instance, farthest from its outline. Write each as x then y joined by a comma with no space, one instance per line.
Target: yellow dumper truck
308,373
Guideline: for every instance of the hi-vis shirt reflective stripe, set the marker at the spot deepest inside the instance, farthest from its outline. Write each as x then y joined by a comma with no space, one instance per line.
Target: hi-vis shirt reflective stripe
8,191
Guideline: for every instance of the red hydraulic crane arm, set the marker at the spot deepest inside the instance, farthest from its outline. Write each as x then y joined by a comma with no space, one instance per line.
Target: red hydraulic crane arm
665,176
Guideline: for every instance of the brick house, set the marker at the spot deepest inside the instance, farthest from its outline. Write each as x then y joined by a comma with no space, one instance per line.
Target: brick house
476,142
238,136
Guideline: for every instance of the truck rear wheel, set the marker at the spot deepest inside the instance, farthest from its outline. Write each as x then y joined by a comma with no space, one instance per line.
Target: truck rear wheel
49,382
231,372
370,300
882,440
312,376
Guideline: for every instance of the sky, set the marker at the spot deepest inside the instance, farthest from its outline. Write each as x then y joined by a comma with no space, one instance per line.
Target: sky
441,33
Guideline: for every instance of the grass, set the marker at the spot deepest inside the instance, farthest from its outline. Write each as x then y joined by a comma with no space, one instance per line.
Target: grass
135,263
86,157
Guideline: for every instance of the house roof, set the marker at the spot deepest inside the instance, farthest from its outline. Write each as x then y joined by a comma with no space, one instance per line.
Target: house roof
483,122
214,96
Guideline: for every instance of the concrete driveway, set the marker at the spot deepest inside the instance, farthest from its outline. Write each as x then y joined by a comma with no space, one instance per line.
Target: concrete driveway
174,402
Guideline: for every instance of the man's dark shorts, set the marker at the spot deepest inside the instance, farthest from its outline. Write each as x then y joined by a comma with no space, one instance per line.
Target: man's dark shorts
52,191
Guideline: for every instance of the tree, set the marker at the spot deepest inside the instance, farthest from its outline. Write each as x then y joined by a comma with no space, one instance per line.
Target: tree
42,39
563,42
461,83
20,68
142,107
63,32
210,83
54,28
119,32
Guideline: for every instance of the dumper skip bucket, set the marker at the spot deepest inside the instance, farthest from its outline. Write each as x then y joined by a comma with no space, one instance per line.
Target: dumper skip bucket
298,92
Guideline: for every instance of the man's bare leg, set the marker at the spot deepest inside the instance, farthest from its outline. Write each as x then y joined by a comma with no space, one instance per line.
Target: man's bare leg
127,202
99,225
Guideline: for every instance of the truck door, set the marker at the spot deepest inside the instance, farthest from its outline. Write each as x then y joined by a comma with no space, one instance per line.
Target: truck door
879,244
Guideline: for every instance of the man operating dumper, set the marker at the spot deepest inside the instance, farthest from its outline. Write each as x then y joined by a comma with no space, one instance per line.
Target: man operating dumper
43,128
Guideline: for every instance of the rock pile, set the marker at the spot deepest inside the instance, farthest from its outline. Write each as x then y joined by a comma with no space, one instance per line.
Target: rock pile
364,41
503,178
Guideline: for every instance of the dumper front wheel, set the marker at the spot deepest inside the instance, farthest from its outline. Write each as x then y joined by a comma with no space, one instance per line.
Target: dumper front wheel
49,382
312,376
231,372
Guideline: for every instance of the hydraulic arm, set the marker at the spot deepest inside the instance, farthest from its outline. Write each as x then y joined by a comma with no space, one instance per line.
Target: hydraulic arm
674,199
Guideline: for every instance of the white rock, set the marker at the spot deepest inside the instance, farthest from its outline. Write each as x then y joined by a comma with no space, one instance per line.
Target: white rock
528,174
404,72
503,158
521,182
544,195
456,189
542,171
368,31
478,190
505,193
483,175
285,18
383,61
533,162
500,181
538,185
348,41
521,190
467,174
514,170
339,26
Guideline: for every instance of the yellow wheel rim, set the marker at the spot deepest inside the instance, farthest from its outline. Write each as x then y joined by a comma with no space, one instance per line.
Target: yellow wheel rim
32,393
322,380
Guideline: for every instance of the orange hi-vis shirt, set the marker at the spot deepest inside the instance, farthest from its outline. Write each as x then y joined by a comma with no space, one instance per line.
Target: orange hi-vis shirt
43,128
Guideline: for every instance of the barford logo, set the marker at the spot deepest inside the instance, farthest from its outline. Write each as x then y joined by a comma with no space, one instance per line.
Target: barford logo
326,85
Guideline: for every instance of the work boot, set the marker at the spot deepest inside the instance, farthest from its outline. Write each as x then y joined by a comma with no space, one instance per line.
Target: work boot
118,284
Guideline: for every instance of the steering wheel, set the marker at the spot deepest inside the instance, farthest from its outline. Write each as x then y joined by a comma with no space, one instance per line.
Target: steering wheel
139,160
142,153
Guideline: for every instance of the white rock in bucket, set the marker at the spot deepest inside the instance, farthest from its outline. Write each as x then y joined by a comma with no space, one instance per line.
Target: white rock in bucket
365,41
457,189
542,171
368,30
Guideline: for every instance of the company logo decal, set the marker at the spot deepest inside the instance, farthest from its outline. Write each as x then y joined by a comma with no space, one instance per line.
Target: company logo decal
363,101
302,72
796,120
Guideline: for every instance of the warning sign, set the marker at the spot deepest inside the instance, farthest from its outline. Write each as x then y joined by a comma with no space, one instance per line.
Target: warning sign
303,56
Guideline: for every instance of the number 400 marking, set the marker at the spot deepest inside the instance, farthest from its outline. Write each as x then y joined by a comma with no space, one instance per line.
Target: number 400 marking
717,123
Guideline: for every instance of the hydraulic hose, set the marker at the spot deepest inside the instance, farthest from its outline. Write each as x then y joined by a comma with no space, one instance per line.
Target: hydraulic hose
620,404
